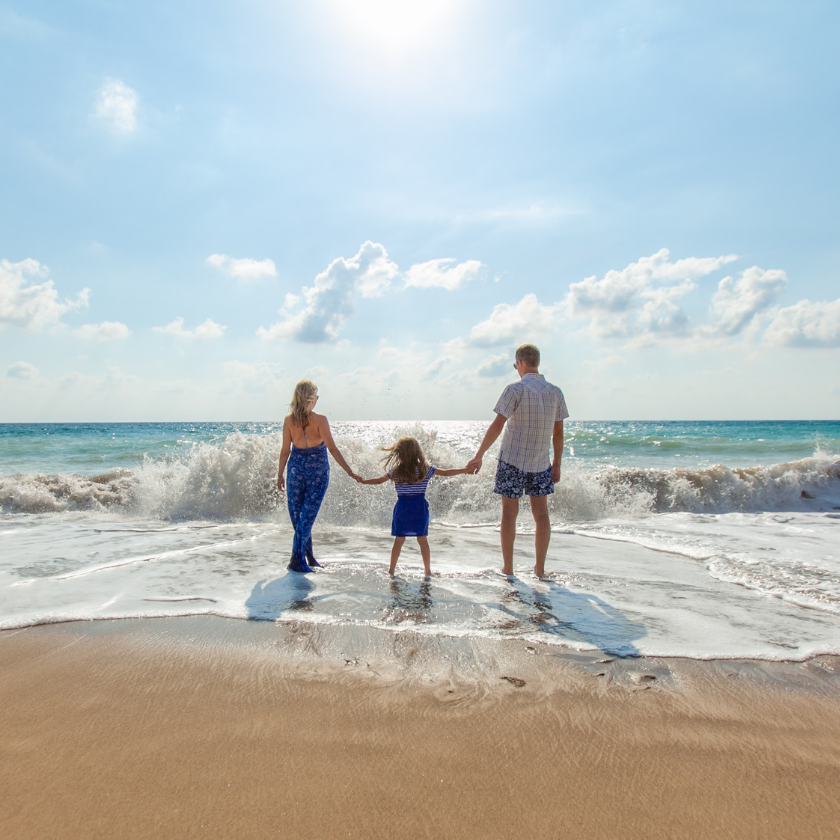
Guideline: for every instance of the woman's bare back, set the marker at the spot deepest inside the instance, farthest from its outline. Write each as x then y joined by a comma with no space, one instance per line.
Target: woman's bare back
312,435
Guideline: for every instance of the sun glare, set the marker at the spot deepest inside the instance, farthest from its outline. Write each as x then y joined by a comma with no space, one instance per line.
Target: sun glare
396,26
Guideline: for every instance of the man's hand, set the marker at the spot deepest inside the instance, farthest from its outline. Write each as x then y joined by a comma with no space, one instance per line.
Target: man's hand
281,483
555,473
474,466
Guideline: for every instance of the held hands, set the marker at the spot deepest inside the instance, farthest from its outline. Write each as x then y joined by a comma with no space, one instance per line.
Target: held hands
473,466
555,473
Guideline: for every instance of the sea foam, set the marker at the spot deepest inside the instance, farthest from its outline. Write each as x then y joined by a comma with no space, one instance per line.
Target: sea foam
235,478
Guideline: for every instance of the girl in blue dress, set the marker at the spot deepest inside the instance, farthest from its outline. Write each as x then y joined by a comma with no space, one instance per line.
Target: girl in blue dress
406,466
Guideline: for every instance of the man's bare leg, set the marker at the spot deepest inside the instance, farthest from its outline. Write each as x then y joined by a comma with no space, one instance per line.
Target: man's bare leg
539,509
510,510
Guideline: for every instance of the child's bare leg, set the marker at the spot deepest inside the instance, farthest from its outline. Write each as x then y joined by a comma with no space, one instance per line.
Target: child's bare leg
395,553
423,542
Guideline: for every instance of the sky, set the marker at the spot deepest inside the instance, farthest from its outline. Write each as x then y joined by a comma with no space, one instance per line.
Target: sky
205,202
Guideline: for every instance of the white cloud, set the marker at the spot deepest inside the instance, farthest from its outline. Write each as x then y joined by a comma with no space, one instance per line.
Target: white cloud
72,379
514,324
252,378
116,106
640,299
806,324
36,306
492,366
106,331
608,361
444,273
209,329
245,269
319,312
115,377
736,303
437,366
22,370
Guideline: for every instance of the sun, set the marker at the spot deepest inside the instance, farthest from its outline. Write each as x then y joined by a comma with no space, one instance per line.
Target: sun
395,26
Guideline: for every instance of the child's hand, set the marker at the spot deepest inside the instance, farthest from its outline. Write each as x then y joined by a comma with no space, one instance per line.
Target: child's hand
380,480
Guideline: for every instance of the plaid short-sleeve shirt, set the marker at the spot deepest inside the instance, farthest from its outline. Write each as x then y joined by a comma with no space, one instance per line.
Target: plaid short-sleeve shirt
532,407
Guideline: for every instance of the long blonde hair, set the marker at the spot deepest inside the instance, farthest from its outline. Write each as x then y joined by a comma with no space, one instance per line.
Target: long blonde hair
300,408
405,461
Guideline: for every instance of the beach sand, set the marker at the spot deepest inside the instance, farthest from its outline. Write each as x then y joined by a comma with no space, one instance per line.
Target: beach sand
206,727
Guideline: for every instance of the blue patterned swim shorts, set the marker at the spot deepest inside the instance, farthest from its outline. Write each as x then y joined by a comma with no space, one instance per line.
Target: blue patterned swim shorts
513,482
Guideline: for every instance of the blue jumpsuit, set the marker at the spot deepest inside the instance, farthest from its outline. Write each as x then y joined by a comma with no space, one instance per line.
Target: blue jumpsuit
307,478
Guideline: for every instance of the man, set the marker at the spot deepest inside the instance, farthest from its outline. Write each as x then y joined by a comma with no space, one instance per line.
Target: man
533,410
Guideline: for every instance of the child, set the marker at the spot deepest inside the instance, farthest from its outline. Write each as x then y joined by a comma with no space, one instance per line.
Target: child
407,467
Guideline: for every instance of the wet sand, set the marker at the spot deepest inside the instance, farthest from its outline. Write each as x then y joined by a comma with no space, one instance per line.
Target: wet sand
205,727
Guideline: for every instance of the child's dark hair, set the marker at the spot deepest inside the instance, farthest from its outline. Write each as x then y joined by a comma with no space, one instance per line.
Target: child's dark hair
405,461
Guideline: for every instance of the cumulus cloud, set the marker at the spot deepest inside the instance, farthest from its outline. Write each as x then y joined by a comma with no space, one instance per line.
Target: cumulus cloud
252,378
106,331
115,377
736,303
438,366
32,306
513,324
319,312
492,366
445,273
116,106
209,329
22,370
641,298
806,324
245,269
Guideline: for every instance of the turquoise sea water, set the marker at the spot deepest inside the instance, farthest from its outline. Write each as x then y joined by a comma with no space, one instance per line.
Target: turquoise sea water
91,448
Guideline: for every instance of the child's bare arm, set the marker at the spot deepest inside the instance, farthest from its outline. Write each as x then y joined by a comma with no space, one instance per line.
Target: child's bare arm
462,471
381,480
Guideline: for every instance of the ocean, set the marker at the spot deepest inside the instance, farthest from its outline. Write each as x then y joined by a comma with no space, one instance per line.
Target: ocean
697,539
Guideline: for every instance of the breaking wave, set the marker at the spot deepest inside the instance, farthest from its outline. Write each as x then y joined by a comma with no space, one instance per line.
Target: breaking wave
235,479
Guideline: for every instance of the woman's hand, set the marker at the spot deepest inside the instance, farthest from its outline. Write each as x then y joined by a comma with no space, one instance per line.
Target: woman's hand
281,483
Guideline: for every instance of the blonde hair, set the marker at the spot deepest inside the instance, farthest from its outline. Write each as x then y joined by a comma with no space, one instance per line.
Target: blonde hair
300,408
405,461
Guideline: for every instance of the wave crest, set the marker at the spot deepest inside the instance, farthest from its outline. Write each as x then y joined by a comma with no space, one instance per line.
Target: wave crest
236,479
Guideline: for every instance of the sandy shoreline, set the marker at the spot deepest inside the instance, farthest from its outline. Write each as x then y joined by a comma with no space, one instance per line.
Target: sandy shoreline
205,727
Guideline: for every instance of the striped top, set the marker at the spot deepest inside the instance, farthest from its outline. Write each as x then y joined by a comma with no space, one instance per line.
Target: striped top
417,489
532,407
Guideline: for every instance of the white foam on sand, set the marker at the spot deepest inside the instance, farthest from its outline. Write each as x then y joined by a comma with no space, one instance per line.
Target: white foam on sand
701,586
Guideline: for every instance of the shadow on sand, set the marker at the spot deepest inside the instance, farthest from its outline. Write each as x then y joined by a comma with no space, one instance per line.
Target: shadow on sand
576,617
291,592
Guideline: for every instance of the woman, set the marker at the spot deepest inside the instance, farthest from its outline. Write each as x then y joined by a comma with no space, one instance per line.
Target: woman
309,470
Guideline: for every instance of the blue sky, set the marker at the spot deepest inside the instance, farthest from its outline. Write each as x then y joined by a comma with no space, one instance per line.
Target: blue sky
204,202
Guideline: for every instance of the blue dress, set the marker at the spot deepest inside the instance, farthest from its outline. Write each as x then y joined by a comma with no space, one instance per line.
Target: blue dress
411,513
307,479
